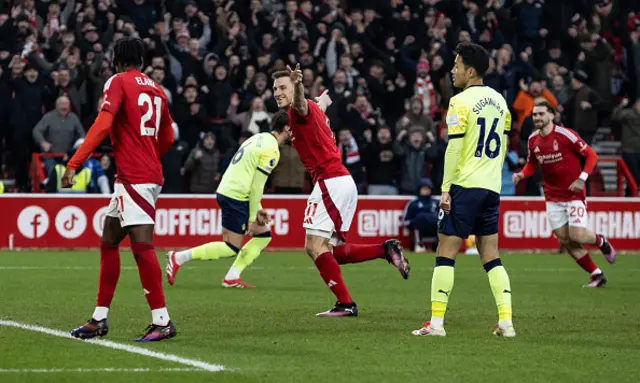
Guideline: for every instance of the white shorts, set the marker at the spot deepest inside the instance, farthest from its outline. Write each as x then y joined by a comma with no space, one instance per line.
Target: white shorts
330,208
573,213
134,204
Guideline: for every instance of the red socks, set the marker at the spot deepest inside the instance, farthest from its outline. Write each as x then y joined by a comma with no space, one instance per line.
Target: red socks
332,276
109,273
349,253
587,264
150,273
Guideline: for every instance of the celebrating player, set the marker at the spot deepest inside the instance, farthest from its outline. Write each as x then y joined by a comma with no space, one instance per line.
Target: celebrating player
559,151
478,121
239,196
332,203
136,113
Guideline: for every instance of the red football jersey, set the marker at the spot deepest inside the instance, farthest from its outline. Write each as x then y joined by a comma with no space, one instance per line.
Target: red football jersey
315,143
141,125
559,153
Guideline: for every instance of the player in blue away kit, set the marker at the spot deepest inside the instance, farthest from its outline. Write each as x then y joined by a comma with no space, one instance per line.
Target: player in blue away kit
478,122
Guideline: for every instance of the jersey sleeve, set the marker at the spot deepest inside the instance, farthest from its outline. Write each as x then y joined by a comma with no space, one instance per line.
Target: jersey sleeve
268,160
112,95
457,119
507,123
295,117
165,135
532,162
579,146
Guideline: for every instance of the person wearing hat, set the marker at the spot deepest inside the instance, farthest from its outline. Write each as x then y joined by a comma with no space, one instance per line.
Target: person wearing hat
421,215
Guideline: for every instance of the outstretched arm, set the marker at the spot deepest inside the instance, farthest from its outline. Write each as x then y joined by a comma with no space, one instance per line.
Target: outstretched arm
324,101
299,101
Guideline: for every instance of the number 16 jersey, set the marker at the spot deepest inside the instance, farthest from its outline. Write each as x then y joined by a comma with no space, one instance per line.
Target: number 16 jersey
479,115
141,125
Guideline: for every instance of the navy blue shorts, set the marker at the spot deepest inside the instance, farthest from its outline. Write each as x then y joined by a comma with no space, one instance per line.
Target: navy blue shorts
473,211
235,214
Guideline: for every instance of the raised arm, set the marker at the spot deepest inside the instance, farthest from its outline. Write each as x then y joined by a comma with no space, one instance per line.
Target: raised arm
299,101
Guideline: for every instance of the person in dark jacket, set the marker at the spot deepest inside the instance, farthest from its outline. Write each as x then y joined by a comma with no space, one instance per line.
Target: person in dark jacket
202,164
172,162
381,163
413,154
421,214
30,97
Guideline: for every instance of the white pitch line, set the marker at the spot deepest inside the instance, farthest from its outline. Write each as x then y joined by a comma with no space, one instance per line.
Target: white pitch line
56,370
119,346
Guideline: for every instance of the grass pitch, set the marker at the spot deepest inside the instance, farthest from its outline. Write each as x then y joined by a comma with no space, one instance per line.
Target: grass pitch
270,334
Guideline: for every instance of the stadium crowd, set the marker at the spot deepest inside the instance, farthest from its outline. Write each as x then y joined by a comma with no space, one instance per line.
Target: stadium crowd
385,64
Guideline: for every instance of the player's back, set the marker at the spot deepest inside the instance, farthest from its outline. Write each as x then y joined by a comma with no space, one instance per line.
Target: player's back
315,143
480,116
141,113
258,153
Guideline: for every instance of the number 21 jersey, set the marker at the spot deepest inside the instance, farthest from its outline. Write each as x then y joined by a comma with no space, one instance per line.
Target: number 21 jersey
479,115
142,124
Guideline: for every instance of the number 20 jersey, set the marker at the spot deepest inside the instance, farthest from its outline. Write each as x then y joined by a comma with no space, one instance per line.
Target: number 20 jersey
480,116
141,123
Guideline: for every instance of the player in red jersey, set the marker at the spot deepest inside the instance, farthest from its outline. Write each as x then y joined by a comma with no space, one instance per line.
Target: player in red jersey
332,203
559,150
135,112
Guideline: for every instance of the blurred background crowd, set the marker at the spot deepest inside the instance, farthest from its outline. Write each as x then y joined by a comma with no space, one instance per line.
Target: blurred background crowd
385,63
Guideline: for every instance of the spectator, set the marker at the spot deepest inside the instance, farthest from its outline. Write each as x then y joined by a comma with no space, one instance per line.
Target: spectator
629,118
98,181
109,169
381,163
289,176
190,116
74,90
350,151
417,119
172,164
559,90
30,96
202,166
511,164
59,129
421,214
411,149
255,120
361,117
582,108
424,88
527,97
597,63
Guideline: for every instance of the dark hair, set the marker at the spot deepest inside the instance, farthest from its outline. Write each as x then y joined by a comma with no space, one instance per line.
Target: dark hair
279,121
279,74
475,56
128,52
547,105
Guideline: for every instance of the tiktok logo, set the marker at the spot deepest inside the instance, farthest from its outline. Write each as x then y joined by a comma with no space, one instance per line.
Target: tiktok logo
71,222
33,222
